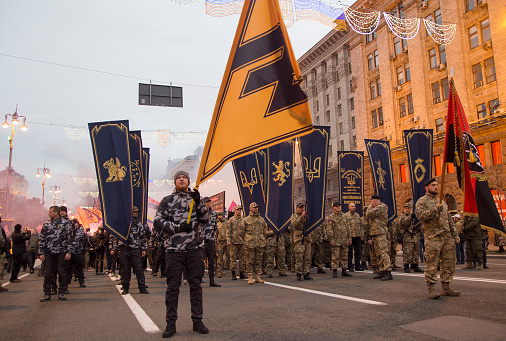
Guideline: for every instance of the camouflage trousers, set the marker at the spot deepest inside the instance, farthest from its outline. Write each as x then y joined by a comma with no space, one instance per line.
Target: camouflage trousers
2,264
366,253
254,260
339,257
237,251
302,257
275,250
392,251
327,252
410,249
317,254
474,250
290,256
439,249
221,250
380,246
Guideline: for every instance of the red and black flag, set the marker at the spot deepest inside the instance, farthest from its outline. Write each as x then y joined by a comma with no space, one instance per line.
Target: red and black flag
462,152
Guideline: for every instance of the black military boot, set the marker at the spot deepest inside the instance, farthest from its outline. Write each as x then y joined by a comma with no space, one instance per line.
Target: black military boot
212,283
321,271
345,273
415,268
299,277
380,275
169,330
334,273
307,277
234,277
388,276
242,275
364,266
199,327
350,269
406,268
358,268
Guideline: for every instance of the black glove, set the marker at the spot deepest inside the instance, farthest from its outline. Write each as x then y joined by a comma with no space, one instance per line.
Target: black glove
413,216
183,227
195,196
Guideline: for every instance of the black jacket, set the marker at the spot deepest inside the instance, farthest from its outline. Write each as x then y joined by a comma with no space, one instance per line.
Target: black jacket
19,241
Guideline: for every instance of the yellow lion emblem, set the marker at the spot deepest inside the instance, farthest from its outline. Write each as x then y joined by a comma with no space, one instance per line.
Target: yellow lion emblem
116,171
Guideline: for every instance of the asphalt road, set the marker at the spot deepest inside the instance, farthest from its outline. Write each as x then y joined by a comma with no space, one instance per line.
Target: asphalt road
354,308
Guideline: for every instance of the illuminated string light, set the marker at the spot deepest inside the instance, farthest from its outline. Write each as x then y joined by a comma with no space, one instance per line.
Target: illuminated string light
80,181
442,34
93,181
402,28
182,2
83,194
94,194
75,133
363,21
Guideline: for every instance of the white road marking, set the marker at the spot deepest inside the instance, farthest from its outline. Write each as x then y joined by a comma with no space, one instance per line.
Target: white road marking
144,320
456,278
349,298
7,283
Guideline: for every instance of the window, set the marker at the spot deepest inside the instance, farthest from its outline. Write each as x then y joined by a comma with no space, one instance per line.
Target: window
372,87
432,58
398,10
490,70
325,66
481,153
439,125
341,128
477,75
485,30
349,68
442,54
315,73
326,84
354,140
470,5
330,149
328,99
402,172
352,104
351,85
397,45
411,109
446,88
481,109
376,58
370,61
338,93
327,116
317,120
408,72
352,122
370,37
436,94
450,168
437,165
342,144
402,106
400,75
473,37
493,105
317,106
496,152
378,86
374,115
437,17
380,116
339,110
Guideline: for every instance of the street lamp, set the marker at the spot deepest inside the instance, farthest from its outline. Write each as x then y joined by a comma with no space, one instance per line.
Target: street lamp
14,122
45,172
56,189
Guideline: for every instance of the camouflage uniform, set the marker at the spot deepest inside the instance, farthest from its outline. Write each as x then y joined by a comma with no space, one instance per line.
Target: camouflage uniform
221,244
338,234
393,229
366,250
354,222
317,247
286,236
209,232
275,249
439,240
410,240
76,247
130,254
255,229
472,231
301,244
378,218
235,238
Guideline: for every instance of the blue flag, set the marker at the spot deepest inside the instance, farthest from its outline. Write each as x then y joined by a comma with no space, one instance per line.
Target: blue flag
419,148
279,202
314,155
351,177
263,169
383,175
145,177
249,183
135,142
111,151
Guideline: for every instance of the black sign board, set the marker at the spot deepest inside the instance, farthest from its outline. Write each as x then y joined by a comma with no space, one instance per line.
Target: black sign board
160,95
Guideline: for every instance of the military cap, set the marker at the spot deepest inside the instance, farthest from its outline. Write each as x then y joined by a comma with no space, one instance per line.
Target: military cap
206,199
181,172
221,213
135,209
407,204
429,181
253,204
300,205
375,196
238,207
335,204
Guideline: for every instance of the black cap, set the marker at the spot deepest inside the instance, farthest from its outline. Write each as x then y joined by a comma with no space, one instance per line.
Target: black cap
375,196
206,199
335,204
300,205
17,227
429,181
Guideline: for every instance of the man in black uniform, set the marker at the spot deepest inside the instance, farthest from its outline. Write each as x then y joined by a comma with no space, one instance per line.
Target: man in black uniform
184,249
209,232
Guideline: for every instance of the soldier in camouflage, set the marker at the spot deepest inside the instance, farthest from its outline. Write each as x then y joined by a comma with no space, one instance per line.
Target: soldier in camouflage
131,253
440,237
77,240
393,230
255,230
178,216
472,231
301,243
209,232
354,222
235,240
286,235
377,213
317,248
366,248
339,236
221,242
410,240
54,249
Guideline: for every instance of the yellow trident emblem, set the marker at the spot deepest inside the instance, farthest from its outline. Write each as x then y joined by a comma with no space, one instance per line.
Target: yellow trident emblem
244,180
117,172
315,172
281,173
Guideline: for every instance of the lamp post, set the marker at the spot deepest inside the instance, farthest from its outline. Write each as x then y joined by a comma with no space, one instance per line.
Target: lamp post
56,189
45,172
14,121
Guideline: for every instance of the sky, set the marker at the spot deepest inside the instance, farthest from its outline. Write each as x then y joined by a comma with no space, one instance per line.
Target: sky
125,43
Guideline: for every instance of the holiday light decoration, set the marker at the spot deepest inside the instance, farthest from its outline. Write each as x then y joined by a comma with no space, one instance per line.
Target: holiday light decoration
159,183
442,34
402,28
83,194
75,133
80,181
93,181
182,2
94,194
362,21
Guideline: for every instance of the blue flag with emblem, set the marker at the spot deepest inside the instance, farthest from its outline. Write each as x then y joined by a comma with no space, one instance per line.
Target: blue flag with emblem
279,197
249,183
138,193
145,177
383,175
419,149
350,166
111,152
262,167
314,149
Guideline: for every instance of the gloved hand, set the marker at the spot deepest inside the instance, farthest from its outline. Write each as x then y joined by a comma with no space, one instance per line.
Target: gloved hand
195,196
413,216
440,207
183,227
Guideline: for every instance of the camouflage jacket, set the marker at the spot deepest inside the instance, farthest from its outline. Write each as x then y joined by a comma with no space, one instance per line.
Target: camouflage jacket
235,233
378,219
460,227
255,229
209,227
338,231
54,238
137,236
221,231
426,212
367,226
297,225
317,235
354,222
472,227
113,243
77,239
172,211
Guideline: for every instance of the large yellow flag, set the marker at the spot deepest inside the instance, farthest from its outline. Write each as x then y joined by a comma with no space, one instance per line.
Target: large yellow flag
260,102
